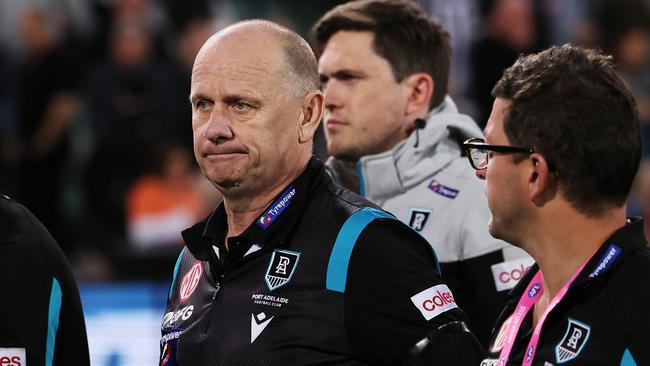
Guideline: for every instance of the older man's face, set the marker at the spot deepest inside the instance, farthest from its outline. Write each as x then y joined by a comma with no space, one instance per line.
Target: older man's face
244,116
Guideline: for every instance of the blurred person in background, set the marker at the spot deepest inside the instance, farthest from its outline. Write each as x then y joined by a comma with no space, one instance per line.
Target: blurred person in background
561,151
42,321
130,105
164,200
395,137
287,269
9,141
624,27
46,104
183,47
509,28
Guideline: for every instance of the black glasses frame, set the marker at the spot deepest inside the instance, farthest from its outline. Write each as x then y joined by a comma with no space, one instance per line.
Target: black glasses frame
478,143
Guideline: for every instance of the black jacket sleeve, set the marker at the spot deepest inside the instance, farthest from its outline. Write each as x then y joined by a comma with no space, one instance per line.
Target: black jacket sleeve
394,296
45,309
473,284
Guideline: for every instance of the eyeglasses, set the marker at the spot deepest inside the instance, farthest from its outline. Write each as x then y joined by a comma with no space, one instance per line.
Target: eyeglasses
477,151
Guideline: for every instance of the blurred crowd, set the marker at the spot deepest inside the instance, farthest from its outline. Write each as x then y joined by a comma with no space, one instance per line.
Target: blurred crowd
95,123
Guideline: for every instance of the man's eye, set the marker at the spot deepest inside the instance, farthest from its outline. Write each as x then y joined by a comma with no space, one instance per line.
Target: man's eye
241,106
202,104
348,77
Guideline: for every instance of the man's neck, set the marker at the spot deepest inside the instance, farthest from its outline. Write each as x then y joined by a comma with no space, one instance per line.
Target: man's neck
563,243
242,209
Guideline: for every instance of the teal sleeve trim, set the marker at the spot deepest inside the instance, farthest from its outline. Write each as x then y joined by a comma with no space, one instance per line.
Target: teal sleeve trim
178,264
337,268
627,359
362,182
53,315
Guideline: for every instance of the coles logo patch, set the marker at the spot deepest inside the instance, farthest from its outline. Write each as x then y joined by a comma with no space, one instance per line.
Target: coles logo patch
276,208
507,274
434,301
13,357
190,281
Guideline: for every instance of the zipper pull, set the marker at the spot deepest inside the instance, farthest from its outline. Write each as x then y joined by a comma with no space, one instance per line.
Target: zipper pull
217,287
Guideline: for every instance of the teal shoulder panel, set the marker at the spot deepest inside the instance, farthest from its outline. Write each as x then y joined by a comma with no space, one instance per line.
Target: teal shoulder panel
337,268
178,264
627,359
54,312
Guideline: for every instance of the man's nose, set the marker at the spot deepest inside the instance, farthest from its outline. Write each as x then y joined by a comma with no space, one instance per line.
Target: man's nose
480,173
218,127
332,95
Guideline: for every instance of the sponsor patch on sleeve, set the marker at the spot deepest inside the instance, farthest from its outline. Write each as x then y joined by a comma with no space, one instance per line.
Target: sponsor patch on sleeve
419,217
434,301
190,281
443,190
169,347
507,274
13,357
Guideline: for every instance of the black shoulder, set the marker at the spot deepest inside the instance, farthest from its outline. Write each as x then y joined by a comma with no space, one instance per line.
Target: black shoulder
348,196
15,219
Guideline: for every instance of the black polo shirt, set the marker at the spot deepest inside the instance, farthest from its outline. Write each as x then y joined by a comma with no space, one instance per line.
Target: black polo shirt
320,277
604,318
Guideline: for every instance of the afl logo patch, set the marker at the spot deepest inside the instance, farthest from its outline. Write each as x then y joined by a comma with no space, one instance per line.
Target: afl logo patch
265,220
190,281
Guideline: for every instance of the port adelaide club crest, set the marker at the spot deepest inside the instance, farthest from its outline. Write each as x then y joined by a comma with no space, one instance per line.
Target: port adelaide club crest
281,267
574,340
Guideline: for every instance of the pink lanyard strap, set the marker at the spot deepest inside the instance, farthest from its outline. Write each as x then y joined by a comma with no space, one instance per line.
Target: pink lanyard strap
525,304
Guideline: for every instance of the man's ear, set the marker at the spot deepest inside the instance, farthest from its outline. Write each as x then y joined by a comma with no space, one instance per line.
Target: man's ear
542,182
419,87
310,115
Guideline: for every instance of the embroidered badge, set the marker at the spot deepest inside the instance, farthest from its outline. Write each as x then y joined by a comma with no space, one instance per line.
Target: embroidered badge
283,264
443,190
574,340
419,217
190,281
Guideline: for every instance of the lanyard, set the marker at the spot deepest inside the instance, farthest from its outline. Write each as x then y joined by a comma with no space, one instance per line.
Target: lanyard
525,304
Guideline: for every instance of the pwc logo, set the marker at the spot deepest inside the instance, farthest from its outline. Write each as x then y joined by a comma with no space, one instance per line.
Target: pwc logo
12,357
434,301
190,281
507,274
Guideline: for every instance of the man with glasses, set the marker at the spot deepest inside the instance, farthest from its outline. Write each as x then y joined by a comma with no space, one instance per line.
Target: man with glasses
561,151
394,136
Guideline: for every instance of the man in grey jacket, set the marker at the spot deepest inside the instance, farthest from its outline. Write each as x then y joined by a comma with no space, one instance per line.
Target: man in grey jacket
394,136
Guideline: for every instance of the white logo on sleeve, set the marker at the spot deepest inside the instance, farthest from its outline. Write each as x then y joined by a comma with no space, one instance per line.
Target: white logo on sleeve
507,274
258,323
12,357
434,301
